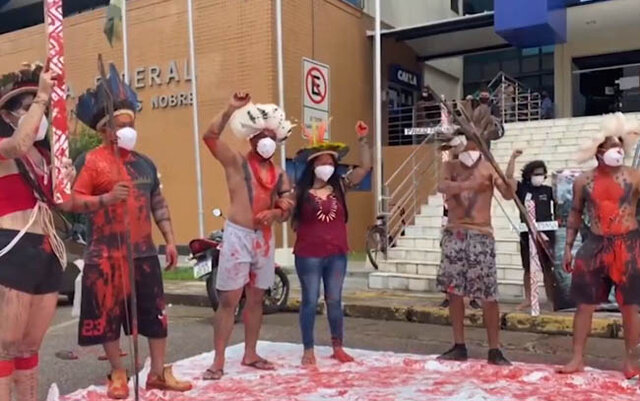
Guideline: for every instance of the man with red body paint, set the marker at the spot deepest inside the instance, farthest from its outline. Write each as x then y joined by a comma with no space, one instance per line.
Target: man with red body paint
611,254
113,178
260,194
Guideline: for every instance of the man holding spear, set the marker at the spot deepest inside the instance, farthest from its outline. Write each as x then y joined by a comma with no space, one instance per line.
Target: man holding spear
116,184
468,265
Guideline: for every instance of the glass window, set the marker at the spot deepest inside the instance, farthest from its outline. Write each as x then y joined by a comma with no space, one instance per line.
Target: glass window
477,6
491,68
547,62
455,6
530,64
548,49
355,3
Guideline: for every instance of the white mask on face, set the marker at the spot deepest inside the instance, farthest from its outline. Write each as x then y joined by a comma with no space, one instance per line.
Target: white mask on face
537,180
127,138
613,157
324,172
266,148
42,129
469,158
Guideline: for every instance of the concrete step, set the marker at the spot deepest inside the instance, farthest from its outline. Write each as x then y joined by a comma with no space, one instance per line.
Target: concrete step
434,254
419,283
430,268
504,244
435,231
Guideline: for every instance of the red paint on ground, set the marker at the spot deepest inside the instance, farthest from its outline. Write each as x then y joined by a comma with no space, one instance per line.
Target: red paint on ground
383,377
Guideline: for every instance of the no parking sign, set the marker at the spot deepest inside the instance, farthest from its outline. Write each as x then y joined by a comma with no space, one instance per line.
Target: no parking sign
315,92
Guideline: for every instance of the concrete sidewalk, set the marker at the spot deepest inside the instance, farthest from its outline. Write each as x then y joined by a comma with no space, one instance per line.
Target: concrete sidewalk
418,308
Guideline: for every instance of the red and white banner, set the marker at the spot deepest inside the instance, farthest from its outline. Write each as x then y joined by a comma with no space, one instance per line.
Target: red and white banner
59,122
535,268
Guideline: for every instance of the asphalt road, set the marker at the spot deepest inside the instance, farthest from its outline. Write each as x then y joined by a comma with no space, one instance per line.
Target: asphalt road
191,334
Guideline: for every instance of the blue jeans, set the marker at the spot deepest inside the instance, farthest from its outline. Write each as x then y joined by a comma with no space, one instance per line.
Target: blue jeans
331,271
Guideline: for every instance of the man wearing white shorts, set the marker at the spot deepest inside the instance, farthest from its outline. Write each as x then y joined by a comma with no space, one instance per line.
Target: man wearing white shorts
260,195
246,258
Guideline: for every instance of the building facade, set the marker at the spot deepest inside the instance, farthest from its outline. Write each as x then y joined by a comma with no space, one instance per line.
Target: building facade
235,50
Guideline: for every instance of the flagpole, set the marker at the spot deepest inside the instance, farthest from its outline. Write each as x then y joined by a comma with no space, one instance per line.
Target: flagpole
280,58
378,108
196,127
125,41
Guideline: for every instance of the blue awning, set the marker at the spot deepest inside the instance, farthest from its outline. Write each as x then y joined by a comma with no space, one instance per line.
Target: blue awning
476,33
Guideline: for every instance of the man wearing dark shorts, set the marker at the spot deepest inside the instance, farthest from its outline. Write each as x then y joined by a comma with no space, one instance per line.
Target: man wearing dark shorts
112,179
611,254
468,265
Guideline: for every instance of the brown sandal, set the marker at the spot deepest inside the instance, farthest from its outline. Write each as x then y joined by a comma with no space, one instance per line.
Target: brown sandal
210,374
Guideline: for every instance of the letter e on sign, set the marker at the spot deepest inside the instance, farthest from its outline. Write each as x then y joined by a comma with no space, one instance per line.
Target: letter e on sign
316,85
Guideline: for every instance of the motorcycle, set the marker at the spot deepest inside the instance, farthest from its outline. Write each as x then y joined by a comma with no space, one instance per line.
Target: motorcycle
206,253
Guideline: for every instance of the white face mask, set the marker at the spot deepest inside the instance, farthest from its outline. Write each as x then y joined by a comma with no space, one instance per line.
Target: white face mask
324,172
127,138
266,148
537,180
469,158
42,129
613,157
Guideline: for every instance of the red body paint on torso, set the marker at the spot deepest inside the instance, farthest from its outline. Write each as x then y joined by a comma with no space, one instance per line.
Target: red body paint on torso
607,194
264,180
611,205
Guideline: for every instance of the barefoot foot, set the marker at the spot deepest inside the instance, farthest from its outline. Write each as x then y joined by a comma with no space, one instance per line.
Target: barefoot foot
523,306
630,367
340,355
575,366
308,358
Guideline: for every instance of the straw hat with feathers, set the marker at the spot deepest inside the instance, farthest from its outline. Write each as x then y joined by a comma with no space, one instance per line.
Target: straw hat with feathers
318,145
613,125
252,119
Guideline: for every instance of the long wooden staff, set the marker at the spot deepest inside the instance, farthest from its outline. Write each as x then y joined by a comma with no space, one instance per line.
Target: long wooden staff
127,240
466,123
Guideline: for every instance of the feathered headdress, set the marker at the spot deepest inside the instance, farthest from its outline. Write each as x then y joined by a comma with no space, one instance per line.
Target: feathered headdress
252,119
22,81
453,137
613,125
92,105
318,145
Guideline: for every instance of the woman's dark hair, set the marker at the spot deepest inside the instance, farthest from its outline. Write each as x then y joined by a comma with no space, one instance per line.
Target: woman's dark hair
529,168
6,130
12,104
305,183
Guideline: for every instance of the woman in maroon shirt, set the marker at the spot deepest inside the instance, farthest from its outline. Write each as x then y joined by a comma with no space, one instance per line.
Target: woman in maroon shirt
320,220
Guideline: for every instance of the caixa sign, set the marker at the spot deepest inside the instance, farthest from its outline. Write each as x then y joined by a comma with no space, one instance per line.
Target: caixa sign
405,78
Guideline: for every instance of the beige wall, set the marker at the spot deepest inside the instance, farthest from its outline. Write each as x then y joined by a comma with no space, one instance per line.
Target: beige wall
235,50
334,33
599,28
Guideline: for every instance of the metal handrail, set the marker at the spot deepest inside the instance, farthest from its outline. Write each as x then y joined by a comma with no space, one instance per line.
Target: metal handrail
402,195
420,147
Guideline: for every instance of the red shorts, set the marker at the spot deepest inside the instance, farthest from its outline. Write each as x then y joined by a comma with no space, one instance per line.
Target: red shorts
606,261
103,311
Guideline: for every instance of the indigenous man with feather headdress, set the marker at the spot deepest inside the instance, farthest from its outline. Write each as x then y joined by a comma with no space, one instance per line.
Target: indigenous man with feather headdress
111,179
260,194
611,254
468,266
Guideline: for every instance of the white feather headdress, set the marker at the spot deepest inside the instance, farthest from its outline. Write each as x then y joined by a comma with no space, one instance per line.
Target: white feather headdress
613,125
252,119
